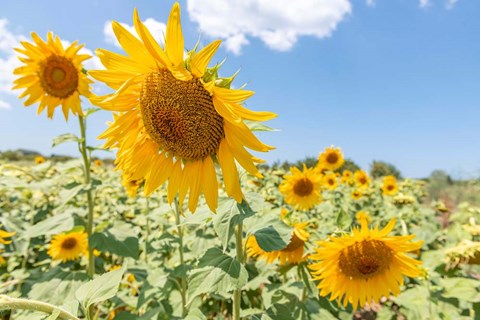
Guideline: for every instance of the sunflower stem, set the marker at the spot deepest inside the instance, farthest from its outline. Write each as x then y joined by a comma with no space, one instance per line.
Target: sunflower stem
183,287
86,169
9,303
237,294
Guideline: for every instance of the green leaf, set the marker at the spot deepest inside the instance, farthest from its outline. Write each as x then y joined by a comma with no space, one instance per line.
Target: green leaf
230,214
53,225
462,289
195,314
99,289
415,302
120,240
274,236
258,126
217,272
67,137
344,220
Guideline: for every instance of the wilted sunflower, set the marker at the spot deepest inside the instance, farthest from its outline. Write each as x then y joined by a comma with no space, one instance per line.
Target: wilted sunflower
361,179
68,246
52,75
364,266
330,181
177,117
302,189
331,159
390,186
292,253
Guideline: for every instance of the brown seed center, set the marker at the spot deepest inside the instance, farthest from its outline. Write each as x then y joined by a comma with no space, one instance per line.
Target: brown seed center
365,259
180,116
303,187
58,76
69,243
332,158
390,187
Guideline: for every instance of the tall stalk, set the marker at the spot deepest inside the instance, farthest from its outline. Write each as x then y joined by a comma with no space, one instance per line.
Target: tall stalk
237,294
183,283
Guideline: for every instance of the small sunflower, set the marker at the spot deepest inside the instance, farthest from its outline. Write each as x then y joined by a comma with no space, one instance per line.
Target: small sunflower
364,266
361,179
292,253
98,163
131,186
330,181
176,117
356,194
68,246
4,235
390,186
52,75
302,188
331,159
39,160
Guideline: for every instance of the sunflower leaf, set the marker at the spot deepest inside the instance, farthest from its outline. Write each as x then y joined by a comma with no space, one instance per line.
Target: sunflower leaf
273,235
67,137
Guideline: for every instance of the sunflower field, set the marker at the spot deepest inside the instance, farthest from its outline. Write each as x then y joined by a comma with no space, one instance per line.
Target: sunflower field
187,223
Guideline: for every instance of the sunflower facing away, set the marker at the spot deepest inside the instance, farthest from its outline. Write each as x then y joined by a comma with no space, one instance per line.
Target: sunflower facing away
292,253
331,159
301,189
68,246
390,186
176,117
52,75
364,266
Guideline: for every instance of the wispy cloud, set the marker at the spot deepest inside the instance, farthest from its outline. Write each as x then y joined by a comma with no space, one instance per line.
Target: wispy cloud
450,4
424,3
371,3
278,24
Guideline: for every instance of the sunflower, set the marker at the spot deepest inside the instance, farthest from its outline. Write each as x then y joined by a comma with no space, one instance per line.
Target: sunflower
356,194
292,253
68,246
302,189
98,163
131,186
4,235
52,75
363,215
390,186
331,159
176,116
330,181
361,179
365,265
39,160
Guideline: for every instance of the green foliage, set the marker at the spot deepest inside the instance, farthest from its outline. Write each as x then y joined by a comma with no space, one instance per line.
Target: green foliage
380,169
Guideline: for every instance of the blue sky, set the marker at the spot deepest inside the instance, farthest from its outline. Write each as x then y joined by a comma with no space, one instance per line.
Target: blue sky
392,80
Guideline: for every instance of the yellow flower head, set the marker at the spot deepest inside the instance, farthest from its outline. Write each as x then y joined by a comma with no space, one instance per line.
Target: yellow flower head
292,253
330,181
4,235
39,159
176,118
363,215
361,179
390,186
68,246
364,266
52,75
356,194
331,159
98,162
131,186
302,189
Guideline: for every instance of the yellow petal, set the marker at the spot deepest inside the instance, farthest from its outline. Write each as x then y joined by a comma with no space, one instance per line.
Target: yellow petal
195,185
229,170
174,42
232,95
200,60
210,183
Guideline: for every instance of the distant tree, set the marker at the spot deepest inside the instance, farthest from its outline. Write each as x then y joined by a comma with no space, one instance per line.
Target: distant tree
438,182
381,168
349,165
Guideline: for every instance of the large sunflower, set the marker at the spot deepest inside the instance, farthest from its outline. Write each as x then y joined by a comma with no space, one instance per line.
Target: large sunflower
302,189
365,265
52,75
292,253
68,246
177,118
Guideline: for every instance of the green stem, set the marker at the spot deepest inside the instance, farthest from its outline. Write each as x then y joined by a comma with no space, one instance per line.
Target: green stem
237,294
86,169
183,291
9,303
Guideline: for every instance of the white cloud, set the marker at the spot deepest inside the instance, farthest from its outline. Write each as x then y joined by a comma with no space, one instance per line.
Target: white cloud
424,3
5,105
278,24
450,4
371,3
156,28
